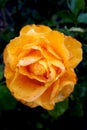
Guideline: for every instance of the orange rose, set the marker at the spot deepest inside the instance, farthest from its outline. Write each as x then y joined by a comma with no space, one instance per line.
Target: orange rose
39,66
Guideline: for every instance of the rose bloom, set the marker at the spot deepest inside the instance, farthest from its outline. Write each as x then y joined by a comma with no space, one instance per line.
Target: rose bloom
39,66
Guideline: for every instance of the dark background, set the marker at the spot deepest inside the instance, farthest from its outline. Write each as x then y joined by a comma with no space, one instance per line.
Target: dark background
67,16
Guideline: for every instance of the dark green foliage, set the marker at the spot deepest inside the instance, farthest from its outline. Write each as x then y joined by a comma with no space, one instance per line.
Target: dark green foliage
59,109
7,102
1,72
82,18
76,5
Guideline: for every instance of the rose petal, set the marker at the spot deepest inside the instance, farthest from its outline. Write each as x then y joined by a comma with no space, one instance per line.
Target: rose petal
26,89
47,99
34,29
28,60
30,104
75,50
69,75
66,83
56,41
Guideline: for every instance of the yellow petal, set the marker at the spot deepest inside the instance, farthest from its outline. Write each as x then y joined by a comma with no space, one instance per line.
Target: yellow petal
75,49
48,99
66,83
56,41
26,89
28,60
28,29
68,87
30,104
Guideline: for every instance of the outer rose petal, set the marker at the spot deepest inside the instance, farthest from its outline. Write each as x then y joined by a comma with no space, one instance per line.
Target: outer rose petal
75,50
30,104
8,72
56,40
66,83
34,29
26,89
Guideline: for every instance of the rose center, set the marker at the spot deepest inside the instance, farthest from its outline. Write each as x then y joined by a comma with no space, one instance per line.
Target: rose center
37,69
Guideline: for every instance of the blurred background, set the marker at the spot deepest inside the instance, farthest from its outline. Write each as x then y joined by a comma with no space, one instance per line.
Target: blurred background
67,16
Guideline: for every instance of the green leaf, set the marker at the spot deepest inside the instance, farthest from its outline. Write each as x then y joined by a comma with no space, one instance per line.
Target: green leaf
76,5
7,102
39,125
66,17
1,72
82,18
59,109
77,108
